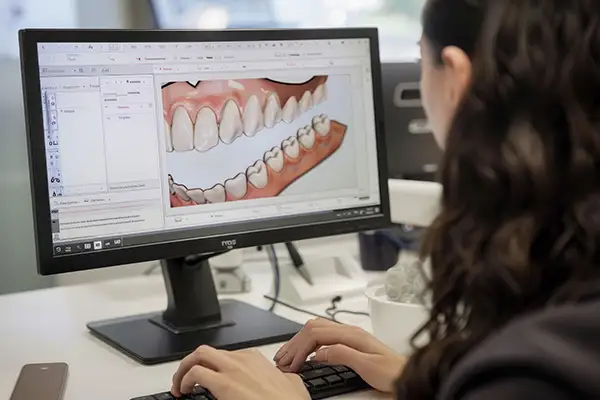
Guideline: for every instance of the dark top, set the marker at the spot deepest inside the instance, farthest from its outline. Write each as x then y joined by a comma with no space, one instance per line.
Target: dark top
553,354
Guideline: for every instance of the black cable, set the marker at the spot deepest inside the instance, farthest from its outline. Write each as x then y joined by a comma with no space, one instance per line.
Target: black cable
276,275
333,311
296,308
361,313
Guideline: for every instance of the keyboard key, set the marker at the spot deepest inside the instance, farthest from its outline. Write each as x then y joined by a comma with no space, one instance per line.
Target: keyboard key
316,373
334,380
347,376
318,383
199,390
340,368
144,398
164,396
306,367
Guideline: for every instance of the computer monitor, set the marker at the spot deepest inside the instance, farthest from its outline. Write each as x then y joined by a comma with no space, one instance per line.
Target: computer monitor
175,145
412,152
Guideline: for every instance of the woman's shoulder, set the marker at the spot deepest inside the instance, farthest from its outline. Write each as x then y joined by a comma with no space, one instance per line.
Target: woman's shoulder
557,347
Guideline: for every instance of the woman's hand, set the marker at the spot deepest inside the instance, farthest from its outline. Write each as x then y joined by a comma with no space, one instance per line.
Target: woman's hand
245,374
353,347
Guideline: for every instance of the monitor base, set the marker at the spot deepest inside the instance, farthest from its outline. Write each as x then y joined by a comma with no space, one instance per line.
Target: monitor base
148,343
194,316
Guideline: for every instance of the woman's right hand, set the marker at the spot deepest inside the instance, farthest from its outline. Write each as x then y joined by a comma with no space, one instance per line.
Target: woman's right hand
337,344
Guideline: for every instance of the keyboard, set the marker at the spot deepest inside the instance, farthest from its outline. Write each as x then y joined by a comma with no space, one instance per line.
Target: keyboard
321,381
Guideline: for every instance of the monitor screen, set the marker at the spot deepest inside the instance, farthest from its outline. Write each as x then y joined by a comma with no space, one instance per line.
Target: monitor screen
161,142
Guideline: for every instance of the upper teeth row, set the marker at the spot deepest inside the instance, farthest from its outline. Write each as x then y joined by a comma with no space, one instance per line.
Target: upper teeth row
256,174
205,132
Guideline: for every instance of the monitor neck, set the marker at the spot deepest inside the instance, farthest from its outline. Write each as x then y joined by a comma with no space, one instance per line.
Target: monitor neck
191,293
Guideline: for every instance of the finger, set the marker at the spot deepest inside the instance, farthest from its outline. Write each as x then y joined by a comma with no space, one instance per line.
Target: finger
206,356
202,376
307,343
346,335
314,323
341,355
281,352
287,359
286,362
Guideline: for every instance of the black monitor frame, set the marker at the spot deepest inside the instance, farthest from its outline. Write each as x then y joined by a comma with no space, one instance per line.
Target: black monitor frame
246,236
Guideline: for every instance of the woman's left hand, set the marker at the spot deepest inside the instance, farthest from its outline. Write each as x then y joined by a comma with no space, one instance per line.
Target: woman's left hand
244,374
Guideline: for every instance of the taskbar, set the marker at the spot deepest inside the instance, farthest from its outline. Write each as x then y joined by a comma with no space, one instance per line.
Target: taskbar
113,243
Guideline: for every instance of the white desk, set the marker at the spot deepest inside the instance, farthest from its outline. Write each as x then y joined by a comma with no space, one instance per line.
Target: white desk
49,326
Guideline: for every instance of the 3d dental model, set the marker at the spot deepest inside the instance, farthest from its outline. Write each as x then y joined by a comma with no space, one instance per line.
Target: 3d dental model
222,111
279,167
225,110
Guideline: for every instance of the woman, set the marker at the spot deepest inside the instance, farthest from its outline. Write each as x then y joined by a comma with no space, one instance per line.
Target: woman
512,90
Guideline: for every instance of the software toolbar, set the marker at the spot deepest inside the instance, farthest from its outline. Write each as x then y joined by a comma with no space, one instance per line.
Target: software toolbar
152,53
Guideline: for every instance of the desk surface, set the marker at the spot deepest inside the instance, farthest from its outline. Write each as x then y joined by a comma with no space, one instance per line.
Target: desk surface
50,326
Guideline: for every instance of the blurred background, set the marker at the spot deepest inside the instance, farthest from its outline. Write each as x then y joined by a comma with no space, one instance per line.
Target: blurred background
397,20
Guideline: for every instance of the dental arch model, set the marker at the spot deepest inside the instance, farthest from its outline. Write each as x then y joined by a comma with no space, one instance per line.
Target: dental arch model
216,106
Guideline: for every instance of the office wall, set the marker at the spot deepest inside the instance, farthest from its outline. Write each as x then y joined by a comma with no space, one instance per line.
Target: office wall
17,259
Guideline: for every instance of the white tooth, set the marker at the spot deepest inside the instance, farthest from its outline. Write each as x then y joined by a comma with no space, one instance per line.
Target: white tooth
231,123
181,192
291,147
182,130
274,159
319,95
235,85
306,101
206,132
272,111
216,194
236,187
257,174
306,137
253,117
322,124
168,139
197,195
290,110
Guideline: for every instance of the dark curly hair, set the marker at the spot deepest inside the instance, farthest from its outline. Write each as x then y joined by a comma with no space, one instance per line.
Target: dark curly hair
519,227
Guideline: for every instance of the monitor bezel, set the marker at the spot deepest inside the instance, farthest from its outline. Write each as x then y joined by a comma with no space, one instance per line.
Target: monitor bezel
50,265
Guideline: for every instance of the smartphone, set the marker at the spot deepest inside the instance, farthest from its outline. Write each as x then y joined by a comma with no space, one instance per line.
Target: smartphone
41,382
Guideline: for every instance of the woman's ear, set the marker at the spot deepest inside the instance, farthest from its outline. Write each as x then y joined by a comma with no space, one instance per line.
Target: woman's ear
458,73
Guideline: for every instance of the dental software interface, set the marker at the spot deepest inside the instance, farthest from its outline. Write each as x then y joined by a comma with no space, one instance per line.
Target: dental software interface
166,138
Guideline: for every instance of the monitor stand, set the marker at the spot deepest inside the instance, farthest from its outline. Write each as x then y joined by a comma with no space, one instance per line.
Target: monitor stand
194,317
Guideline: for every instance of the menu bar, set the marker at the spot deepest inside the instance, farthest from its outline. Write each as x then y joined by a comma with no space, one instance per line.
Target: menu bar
47,61
190,46
60,54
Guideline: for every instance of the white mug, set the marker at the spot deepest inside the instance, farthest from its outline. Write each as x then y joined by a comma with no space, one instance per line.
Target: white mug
394,323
